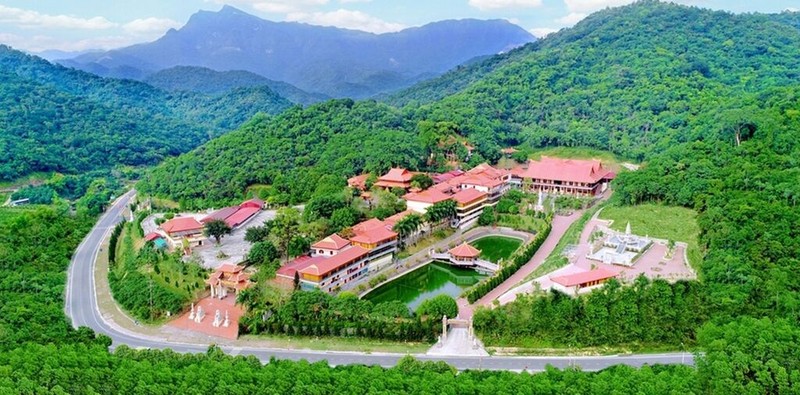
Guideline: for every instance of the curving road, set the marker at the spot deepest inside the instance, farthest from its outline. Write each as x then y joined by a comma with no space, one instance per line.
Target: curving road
81,306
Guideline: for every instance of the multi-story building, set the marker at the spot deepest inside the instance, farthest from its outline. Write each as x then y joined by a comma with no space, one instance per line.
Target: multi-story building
336,261
563,176
183,228
395,178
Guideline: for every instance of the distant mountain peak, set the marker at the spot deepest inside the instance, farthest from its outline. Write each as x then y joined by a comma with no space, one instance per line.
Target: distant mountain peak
333,61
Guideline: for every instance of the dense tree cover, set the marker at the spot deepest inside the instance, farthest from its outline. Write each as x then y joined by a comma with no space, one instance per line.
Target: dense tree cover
204,80
292,153
645,313
316,313
633,80
510,267
149,283
40,194
57,119
217,229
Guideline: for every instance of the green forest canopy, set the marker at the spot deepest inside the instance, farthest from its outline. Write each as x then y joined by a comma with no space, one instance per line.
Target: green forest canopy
58,119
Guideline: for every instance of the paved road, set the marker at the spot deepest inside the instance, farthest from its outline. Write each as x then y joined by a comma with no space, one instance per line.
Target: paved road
81,307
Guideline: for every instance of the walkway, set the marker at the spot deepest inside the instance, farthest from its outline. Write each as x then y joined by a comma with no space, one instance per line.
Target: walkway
560,226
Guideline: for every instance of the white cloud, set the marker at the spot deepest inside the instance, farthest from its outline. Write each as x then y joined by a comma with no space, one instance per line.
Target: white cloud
588,6
540,32
347,19
148,26
275,6
484,5
34,19
792,9
571,19
41,43
354,1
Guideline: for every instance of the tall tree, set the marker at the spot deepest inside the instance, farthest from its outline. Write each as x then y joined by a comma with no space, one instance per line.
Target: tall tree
216,229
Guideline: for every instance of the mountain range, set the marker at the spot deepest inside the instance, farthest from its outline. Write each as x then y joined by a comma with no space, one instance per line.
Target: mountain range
58,119
633,80
328,60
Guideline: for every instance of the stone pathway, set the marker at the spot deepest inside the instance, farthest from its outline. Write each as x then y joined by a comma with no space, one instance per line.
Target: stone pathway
459,342
560,226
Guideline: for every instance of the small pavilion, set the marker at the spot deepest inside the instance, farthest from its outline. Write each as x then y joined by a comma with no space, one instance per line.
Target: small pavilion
464,253
228,278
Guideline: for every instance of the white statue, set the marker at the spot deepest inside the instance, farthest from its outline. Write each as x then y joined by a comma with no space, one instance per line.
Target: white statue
227,321
200,314
217,319
628,229
191,314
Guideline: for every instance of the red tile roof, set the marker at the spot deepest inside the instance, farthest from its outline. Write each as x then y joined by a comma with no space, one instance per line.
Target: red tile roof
242,215
359,181
152,236
220,214
320,266
372,231
397,175
332,242
394,219
182,224
232,274
468,195
571,280
254,202
465,251
296,265
575,170
427,196
440,178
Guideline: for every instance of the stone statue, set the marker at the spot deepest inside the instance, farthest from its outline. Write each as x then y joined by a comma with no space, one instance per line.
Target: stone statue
628,229
227,321
191,314
200,314
217,319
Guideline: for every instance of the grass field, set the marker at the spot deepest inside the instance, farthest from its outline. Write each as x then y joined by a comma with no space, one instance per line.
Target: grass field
571,237
521,222
576,153
662,222
493,248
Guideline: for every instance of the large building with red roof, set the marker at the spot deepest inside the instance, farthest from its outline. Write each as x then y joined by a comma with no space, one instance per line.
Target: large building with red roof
336,261
395,178
179,229
472,190
236,216
563,176
571,284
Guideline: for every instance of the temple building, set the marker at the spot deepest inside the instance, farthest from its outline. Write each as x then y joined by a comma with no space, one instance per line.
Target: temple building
572,284
183,228
236,216
395,178
227,279
620,248
563,176
336,261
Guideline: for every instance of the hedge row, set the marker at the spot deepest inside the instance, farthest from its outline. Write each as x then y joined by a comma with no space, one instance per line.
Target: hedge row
112,243
483,287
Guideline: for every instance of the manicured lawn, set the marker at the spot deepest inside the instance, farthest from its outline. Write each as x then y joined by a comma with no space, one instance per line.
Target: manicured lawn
521,222
577,153
662,222
493,248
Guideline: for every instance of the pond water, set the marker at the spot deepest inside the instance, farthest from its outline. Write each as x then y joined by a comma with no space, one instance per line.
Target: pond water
433,279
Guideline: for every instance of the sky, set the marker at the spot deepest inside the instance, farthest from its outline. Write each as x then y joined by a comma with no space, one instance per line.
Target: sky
79,25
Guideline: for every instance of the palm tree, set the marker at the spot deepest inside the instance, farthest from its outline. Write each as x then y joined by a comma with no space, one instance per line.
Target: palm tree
407,226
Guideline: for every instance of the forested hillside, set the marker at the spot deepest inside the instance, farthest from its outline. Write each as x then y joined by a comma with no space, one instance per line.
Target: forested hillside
633,80
203,80
41,353
290,152
57,119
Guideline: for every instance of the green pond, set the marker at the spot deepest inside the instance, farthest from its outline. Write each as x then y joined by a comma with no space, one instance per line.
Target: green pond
433,279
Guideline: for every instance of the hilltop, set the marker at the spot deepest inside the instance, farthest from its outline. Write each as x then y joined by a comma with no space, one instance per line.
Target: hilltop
56,119
335,62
